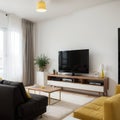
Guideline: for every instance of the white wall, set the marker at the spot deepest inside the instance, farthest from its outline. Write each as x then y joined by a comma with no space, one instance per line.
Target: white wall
3,20
94,28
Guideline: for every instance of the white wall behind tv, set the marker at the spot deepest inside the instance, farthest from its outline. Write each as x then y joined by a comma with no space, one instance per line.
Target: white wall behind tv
95,29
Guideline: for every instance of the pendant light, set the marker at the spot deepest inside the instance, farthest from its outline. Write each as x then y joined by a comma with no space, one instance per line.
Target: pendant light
41,6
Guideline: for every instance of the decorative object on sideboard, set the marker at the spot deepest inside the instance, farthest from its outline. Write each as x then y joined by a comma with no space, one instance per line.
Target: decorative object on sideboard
54,71
42,61
96,74
101,70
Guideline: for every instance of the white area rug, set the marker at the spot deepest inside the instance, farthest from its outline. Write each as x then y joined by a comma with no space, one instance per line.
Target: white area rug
69,102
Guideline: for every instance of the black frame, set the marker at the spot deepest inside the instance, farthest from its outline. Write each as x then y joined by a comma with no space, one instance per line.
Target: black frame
69,69
118,55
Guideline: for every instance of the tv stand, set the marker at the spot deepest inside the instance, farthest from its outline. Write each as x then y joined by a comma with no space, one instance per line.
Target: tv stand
88,83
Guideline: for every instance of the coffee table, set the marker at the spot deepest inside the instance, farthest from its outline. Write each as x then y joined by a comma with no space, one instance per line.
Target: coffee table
46,89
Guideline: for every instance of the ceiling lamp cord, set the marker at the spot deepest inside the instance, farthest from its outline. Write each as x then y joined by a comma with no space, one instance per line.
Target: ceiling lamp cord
41,6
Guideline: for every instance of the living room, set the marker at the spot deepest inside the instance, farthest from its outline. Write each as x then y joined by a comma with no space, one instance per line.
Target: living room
95,29
89,25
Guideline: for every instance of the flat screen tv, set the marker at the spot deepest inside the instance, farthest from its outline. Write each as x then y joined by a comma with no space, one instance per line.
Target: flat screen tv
74,61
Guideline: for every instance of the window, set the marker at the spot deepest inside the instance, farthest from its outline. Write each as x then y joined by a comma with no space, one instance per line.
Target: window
13,58
1,51
11,49
10,55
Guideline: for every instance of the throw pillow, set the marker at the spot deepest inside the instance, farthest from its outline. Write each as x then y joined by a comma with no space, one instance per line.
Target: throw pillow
28,95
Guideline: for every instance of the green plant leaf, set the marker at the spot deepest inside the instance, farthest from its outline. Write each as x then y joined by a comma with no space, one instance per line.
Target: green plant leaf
41,61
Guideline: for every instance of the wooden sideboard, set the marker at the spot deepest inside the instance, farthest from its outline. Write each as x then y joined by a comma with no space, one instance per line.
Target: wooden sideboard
87,83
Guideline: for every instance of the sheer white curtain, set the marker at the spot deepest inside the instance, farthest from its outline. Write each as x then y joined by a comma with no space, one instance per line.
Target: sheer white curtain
13,50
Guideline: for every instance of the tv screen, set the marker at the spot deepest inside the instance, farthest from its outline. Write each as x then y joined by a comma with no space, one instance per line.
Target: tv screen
74,61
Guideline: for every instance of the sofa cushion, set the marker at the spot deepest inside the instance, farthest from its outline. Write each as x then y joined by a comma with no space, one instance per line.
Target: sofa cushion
33,106
43,100
18,84
1,81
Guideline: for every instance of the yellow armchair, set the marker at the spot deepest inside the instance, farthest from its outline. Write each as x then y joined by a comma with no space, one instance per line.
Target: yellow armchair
102,108
117,89
112,108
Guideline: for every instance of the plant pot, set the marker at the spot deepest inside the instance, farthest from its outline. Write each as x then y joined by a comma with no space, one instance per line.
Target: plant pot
42,69
41,78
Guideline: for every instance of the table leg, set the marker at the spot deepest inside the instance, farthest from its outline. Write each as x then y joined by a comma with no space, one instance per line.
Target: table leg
28,91
48,98
60,95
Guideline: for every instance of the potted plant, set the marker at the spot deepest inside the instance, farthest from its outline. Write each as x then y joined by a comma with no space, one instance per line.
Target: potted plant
42,61
41,76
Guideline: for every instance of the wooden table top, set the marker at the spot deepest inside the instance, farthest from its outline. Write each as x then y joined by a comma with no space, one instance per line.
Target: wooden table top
47,89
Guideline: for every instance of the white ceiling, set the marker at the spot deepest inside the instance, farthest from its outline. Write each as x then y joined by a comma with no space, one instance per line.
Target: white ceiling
55,8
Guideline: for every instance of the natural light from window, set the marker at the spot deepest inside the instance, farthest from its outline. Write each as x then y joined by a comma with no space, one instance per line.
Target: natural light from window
1,52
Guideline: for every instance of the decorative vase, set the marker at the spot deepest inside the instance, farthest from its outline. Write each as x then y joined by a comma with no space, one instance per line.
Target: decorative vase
102,74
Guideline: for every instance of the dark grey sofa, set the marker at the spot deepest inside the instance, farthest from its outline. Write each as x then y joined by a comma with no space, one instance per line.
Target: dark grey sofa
15,105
